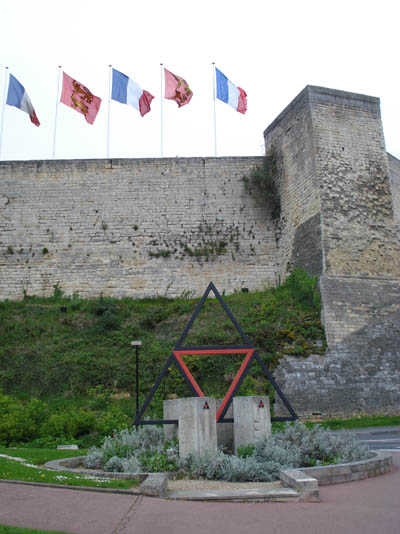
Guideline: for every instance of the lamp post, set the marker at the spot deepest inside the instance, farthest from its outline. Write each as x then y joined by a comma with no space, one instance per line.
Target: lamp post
137,344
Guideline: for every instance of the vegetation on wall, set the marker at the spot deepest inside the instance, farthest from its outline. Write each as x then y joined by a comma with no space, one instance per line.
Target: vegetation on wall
73,356
262,182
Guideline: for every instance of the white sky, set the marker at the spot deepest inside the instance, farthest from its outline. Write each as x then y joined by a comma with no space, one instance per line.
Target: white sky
272,49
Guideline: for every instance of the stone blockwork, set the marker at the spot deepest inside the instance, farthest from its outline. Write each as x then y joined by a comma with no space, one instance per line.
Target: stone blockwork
359,233
132,228
340,205
290,139
394,170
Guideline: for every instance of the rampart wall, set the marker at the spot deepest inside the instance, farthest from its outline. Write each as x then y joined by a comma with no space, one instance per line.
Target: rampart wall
138,228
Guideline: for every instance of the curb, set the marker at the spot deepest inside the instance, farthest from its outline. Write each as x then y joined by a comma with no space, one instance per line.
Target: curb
298,485
66,486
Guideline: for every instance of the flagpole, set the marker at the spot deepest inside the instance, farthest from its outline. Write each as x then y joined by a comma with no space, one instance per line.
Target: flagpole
55,118
109,107
162,135
215,114
2,114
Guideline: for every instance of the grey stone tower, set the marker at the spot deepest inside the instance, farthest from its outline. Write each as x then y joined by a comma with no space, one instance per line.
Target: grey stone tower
339,220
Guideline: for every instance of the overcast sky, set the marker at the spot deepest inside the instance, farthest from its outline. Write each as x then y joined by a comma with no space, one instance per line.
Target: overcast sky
272,49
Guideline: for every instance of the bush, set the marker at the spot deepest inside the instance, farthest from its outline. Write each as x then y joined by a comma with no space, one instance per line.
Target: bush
71,423
113,420
295,446
142,449
304,288
19,421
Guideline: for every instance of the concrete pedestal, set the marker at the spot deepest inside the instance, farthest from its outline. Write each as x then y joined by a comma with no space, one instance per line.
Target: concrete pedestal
197,427
252,420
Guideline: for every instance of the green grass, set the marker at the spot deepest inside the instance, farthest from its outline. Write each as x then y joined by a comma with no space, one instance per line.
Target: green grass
5,529
362,422
15,470
349,424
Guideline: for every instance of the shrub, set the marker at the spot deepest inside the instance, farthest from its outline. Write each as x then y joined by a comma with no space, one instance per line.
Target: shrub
113,420
19,421
71,423
139,449
295,446
304,288
114,464
93,459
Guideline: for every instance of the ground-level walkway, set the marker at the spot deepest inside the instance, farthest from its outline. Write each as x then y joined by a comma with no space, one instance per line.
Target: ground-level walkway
366,507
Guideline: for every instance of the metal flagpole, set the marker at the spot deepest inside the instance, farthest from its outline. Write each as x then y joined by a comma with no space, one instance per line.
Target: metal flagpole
215,114
2,114
162,96
109,106
55,118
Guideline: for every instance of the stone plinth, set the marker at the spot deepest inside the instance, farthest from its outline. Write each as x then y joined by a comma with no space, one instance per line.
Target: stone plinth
252,420
197,427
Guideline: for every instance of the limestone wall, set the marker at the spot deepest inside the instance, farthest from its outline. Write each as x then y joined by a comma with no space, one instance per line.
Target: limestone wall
351,189
394,170
132,227
290,139
359,234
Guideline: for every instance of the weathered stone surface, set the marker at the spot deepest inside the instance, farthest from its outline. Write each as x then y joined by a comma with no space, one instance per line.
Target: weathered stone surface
379,463
137,227
340,215
197,426
252,420
155,485
394,172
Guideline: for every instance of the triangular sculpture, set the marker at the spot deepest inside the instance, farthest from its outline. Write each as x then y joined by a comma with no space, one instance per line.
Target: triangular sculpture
247,349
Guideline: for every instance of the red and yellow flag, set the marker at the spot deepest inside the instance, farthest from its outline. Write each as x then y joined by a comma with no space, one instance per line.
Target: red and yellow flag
77,96
176,88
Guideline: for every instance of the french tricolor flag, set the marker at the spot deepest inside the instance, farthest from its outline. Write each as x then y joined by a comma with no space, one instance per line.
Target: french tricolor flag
18,97
230,93
127,91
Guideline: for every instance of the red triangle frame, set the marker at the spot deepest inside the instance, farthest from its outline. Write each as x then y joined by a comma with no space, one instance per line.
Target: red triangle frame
246,362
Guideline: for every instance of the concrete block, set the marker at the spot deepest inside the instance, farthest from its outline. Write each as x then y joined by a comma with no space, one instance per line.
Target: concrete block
252,420
197,427
170,410
296,479
155,485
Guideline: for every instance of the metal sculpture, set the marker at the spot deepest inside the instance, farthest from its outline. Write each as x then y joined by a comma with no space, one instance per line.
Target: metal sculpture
247,349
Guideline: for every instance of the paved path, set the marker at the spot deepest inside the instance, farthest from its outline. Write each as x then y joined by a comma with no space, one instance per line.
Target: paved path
365,507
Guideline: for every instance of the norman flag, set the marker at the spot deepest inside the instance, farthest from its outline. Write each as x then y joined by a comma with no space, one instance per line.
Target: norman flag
77,96
176,88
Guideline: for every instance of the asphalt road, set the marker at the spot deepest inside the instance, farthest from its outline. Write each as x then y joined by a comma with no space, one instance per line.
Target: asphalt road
381,438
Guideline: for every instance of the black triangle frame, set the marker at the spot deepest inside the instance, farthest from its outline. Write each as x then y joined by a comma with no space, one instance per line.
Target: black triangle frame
247,346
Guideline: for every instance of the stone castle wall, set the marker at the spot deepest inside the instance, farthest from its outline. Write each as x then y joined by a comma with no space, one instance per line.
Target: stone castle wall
149,227
394,170
132,228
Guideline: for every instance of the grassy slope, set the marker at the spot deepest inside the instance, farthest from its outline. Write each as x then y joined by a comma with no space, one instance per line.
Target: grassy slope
64,347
